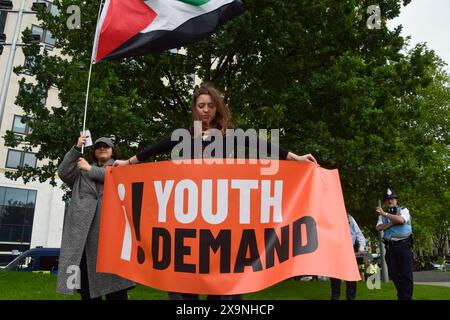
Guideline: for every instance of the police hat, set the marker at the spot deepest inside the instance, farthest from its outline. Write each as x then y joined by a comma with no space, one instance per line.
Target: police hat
104,140
390,194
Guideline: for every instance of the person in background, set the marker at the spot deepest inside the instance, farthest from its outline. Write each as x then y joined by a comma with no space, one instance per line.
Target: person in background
397,237
372,269
359,244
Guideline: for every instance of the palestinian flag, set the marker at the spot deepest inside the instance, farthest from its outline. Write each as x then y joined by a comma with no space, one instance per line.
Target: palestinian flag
129,28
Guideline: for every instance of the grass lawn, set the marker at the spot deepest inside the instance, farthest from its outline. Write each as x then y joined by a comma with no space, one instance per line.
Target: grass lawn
31,286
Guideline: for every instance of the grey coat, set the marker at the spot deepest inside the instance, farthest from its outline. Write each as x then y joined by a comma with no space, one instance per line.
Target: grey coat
82,226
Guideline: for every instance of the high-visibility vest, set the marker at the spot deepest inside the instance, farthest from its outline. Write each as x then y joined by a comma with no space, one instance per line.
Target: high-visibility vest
373,268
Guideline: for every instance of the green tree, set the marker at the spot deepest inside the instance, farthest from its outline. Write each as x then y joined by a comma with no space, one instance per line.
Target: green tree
347,94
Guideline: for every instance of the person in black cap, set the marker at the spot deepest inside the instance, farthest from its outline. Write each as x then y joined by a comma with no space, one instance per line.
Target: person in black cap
78,258
397,236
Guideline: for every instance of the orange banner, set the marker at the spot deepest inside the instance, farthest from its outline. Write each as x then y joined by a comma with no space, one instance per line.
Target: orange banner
223,228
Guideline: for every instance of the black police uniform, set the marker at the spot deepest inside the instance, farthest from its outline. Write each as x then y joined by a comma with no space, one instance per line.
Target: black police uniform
399,256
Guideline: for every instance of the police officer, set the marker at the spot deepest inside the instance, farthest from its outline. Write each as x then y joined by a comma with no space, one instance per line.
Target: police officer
359,244
396,226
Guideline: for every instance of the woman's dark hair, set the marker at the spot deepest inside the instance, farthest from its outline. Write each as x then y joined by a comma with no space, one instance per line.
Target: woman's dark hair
113,156
223,120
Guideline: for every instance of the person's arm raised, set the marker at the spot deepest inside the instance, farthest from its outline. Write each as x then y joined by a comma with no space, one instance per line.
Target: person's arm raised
67,169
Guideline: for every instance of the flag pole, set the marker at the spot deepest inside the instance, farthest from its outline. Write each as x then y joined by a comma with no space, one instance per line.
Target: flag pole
89,78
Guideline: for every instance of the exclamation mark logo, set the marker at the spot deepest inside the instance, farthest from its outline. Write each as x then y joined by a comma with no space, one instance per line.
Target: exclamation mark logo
136,206
126,243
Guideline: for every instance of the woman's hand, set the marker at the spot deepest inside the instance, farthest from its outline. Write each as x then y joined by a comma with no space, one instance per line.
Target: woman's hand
83,165
81,141
305,158
120,163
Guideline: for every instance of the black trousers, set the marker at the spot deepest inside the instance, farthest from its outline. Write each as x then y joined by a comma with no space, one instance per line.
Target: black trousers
336,289
84,290
350,289
191,296
399,260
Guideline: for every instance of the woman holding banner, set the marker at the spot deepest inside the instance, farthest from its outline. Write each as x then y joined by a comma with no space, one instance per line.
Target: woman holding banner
209,111
78,258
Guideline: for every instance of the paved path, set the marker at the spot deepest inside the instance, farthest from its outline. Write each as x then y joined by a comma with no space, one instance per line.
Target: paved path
431,276
440,284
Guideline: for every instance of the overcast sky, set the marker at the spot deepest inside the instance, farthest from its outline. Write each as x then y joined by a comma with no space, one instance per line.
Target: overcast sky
427,21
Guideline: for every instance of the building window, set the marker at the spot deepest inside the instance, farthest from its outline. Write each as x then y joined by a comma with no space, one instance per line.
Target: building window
13,159
17,158
16,215
28,88
45,35
29,64
36,30
20,125
49,39
51,7
3,16
54,10
29,159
